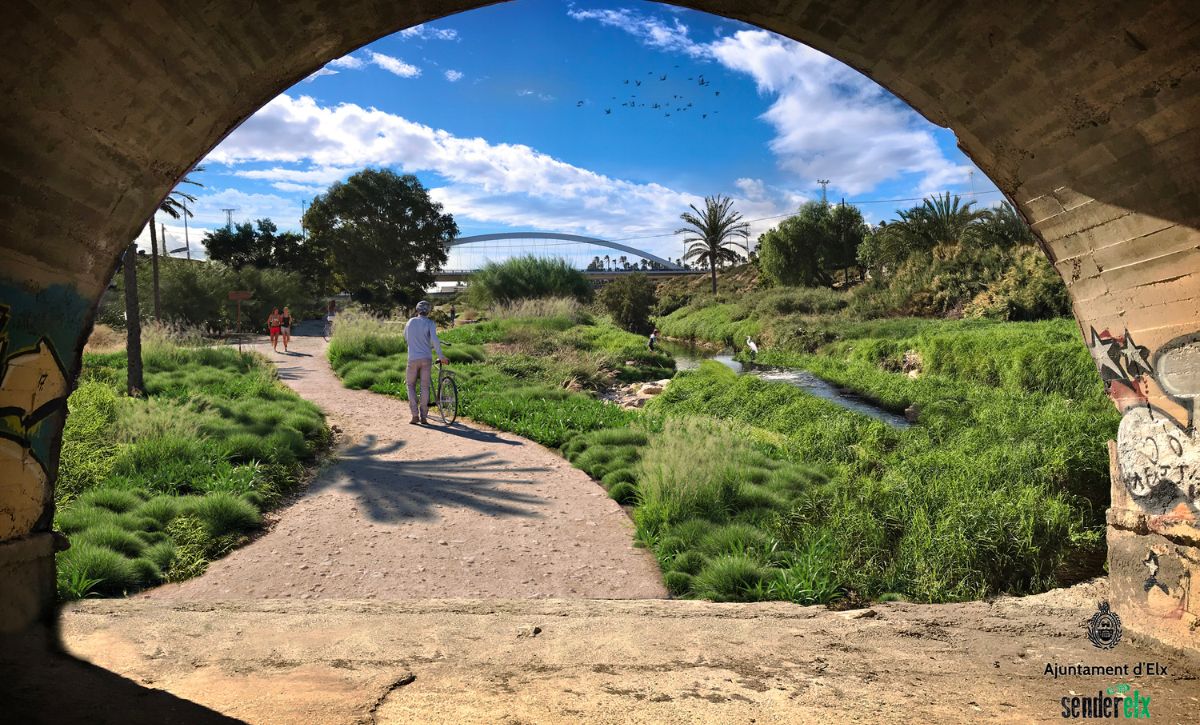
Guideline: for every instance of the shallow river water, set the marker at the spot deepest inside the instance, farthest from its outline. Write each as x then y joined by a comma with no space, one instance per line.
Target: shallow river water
688,357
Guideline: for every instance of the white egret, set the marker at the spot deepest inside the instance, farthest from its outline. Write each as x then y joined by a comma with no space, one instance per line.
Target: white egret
753,348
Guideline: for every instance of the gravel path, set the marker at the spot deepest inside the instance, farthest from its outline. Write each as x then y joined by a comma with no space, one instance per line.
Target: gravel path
410,512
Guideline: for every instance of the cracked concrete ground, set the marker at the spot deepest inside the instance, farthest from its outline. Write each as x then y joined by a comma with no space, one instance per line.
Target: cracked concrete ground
635,661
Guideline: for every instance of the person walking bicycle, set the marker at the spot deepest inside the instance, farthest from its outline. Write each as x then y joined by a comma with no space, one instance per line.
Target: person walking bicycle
420,334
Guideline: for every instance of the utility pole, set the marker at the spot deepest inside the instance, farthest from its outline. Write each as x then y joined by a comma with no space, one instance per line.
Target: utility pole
229,218
824,183
186,242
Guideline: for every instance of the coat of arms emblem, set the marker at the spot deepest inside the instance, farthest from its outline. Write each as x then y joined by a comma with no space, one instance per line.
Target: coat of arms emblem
1104,628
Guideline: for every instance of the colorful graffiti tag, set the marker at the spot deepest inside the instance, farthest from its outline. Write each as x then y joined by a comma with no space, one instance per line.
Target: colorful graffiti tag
34,384
1157,450
1157,486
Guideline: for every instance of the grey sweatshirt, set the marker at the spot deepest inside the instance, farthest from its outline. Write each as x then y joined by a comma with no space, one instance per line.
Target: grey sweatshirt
420,333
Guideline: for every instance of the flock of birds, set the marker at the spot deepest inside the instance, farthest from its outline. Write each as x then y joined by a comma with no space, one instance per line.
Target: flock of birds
678,103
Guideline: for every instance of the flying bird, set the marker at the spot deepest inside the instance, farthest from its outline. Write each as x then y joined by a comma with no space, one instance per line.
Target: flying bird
703,115
578,104
626,81
607,111
716,93
663,77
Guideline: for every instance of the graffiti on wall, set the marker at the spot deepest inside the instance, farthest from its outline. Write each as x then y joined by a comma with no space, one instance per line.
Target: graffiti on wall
1157,450
35,328
1158,458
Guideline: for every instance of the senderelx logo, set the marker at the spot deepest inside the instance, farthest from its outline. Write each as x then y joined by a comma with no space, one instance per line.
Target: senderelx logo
1113,702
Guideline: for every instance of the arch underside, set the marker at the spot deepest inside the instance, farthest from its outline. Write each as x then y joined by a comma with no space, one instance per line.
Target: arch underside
1087,115
479,238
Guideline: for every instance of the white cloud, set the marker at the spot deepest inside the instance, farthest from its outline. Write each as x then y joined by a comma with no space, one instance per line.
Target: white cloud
490,183
424,32
299,188
453,75
751,188
394,65
830,121
526,92
320,72
348,62
176,238
652,31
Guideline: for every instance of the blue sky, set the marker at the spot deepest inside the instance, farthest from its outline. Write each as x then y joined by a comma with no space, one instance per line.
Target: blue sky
540,115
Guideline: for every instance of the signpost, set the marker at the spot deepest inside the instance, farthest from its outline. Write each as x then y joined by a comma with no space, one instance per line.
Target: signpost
240,295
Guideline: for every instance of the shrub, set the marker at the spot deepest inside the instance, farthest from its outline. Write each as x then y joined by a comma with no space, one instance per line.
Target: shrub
223,514
78,517
86,457
115,500
690,471
527,277
107,571
113,537
678,583
736,538
731,578
623,493
629,300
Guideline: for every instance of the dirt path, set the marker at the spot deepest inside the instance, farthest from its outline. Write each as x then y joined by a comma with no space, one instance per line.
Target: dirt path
410,512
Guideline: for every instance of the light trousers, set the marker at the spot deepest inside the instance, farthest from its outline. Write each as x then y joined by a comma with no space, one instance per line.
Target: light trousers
424,370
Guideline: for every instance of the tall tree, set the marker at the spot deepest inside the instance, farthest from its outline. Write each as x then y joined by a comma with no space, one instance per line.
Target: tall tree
134,382
174,206
805,247
385,237
713,233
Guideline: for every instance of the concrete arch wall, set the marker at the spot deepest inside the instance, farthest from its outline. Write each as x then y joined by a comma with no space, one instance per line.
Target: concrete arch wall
1086,114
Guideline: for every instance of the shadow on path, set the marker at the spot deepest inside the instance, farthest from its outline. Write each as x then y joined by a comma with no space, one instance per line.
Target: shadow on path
390,489
39,683
483,436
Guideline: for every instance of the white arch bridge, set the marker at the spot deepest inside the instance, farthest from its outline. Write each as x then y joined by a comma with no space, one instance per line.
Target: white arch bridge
467,254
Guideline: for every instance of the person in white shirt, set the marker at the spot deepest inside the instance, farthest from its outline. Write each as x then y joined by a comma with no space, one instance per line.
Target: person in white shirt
420,334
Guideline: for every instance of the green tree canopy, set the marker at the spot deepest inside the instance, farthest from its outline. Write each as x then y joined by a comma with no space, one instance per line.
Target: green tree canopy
805,248
385,238
256,245
629,300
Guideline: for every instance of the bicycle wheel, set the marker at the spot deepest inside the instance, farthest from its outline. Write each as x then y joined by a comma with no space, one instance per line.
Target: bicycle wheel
447,400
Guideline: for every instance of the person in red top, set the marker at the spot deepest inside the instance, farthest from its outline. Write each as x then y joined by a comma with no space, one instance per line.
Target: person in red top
274,321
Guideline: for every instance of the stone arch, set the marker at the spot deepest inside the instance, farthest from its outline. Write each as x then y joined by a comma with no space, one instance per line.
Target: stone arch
1087,115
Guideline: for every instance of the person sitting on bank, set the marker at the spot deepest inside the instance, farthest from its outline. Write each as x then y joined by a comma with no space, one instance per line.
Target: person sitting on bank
420,334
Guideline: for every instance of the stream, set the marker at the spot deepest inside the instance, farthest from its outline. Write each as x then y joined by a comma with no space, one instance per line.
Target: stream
689,357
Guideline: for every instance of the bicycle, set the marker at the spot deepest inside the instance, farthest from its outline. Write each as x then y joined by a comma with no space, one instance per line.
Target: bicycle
446,398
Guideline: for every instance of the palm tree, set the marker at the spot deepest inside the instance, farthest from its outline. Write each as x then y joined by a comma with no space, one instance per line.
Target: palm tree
174,206
713,233
942,219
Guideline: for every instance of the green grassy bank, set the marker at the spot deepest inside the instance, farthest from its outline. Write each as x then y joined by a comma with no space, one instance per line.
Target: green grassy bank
747,489
152,489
